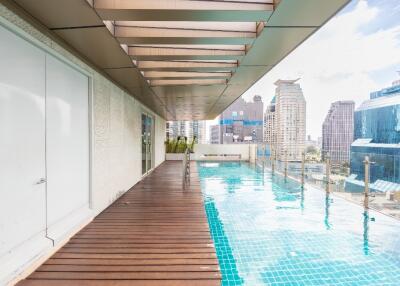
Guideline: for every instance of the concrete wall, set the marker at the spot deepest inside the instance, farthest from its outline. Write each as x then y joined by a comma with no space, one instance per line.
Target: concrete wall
116,137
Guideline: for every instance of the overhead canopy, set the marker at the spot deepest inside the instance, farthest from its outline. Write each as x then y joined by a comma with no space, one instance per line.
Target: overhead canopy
185,59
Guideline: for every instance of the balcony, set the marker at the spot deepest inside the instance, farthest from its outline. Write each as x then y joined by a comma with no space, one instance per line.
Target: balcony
87,195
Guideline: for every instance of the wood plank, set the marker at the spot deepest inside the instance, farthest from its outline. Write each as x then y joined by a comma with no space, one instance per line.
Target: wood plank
139,236
169,282
140,245
106,256
89,261
145,227
155,234
128,268
132,250
141,240
126,275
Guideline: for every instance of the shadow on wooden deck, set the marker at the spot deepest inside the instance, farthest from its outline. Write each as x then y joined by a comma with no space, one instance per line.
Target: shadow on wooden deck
155,234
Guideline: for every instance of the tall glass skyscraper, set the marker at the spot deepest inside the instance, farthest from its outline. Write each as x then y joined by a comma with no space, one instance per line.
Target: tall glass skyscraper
377,135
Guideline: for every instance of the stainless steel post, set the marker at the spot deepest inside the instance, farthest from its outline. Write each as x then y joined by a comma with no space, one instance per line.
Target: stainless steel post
328,174
273,155
303,159
286,164
366,182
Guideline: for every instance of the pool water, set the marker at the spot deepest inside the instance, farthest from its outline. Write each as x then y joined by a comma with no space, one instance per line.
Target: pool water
268,231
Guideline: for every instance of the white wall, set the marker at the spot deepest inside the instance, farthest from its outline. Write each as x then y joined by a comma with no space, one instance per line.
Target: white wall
246,151
116,162
117,142
67,146
22,151
115,134
160,137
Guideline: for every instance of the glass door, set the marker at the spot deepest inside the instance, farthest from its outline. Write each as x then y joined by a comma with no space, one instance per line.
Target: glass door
144,144
147,135
149,132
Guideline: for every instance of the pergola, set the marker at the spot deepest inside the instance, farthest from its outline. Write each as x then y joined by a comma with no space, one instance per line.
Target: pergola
184,59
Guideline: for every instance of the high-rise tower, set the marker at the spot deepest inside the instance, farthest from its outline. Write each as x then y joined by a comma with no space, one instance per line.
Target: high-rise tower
338,132
290,118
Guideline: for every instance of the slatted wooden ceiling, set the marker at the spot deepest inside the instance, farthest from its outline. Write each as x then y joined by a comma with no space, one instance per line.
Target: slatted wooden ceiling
185,59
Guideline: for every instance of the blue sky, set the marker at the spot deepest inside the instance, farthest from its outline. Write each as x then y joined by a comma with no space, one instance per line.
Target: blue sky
356,52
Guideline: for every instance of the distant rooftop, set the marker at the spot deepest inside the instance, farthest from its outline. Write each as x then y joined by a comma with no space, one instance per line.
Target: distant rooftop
286,81
389,91
343,102
257,98
382,101
367,142
384,97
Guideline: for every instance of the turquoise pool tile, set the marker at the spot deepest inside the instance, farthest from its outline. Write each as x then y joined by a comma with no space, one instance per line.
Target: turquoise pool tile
267,231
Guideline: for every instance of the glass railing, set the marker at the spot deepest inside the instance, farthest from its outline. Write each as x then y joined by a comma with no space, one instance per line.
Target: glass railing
378,190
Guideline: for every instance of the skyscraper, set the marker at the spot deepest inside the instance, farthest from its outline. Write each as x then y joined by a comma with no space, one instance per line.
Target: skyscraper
338,132
187,128
198,128
377,135
290,120
215,134
240,123
269,124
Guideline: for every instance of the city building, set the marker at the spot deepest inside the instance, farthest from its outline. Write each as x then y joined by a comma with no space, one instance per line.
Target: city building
215,134
290,120
311,142
269,124
319,142
338,132
377,135
175,129
242,122
188,129
198,128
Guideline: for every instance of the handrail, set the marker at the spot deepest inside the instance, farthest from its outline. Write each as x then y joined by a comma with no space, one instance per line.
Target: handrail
186,168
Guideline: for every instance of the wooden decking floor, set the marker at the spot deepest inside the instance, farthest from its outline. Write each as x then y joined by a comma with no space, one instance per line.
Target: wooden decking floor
155,234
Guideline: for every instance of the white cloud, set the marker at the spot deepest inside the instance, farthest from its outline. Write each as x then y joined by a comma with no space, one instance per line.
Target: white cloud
337,63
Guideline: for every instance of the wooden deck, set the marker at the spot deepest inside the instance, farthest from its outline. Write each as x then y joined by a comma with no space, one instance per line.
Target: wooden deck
155,234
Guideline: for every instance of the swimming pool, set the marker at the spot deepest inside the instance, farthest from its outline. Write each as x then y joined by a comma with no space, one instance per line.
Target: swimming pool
269,232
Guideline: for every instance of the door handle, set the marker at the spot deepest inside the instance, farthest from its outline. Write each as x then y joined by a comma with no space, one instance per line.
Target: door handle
41,181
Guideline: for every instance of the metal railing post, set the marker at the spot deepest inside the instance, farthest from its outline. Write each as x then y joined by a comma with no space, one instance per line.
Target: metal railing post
188,178
366,182
286,164
264,148
328,174
186,168
303,159
273,155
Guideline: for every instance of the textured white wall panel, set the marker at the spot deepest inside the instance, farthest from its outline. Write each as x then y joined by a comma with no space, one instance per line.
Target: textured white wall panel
159,153
116,129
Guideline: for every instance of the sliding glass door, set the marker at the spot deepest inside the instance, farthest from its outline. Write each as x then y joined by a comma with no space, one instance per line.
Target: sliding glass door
147,146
